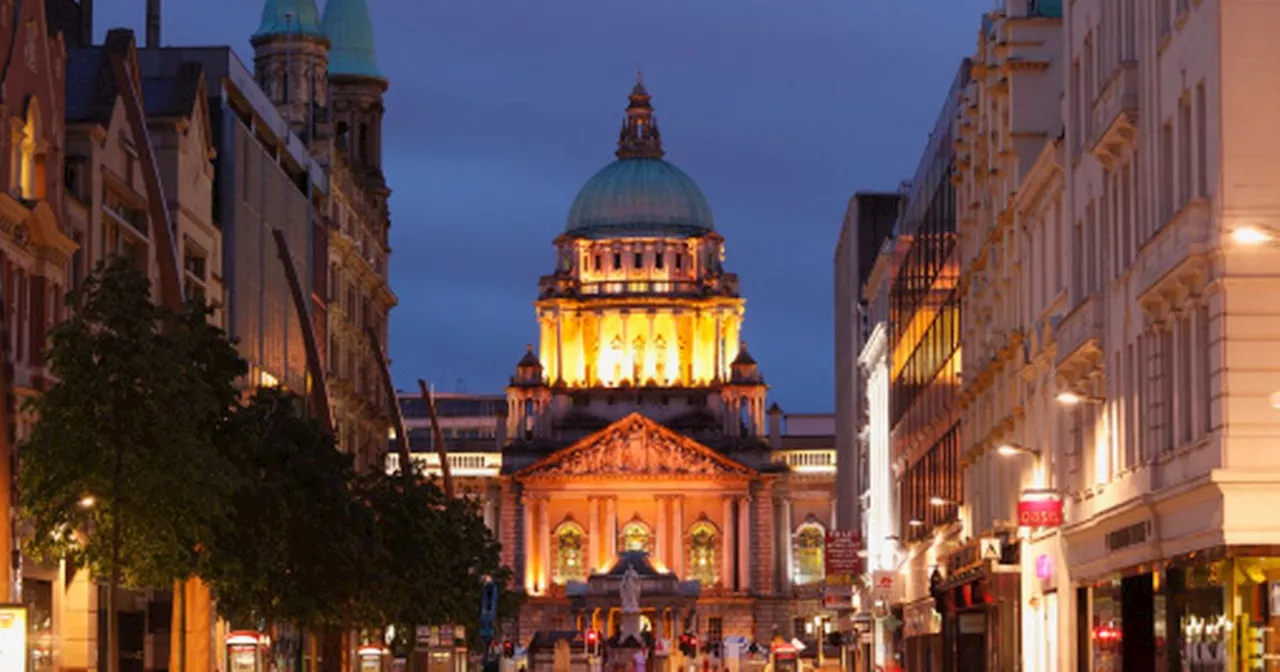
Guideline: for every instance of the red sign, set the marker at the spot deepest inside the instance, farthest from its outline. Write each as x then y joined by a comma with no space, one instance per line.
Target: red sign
1040,513
843,553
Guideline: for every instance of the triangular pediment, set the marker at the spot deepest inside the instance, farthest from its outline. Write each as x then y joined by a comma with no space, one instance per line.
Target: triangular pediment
635,447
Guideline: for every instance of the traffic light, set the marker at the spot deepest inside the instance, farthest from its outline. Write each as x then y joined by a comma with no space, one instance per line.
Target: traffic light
508,649
593,643
689,645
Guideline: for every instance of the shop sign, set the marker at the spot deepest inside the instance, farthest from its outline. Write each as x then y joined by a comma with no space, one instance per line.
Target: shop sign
423,635
837,597
842,557
1040,512
883,585
13,638
1130,535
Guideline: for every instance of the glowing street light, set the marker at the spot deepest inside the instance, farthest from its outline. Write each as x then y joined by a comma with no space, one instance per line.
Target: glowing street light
1250,235
942,501
1014,450
1070,398
87,502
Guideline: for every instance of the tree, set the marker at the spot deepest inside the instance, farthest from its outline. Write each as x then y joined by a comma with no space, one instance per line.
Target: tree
436,553
121,472
295,545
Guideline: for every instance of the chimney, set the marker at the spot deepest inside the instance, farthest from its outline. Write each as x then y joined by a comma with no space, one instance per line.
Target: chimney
153,24
775,427
86,23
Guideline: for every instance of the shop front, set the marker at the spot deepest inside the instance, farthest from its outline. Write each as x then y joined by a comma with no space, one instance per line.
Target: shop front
980,600
1217,609
922,637
1047,603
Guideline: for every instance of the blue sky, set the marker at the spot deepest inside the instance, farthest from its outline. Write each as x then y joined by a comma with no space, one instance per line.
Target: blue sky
499,110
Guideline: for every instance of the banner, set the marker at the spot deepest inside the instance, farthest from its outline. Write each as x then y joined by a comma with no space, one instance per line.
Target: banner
842,557
13,638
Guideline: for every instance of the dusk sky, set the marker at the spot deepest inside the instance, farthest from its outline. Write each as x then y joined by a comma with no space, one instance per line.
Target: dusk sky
500,110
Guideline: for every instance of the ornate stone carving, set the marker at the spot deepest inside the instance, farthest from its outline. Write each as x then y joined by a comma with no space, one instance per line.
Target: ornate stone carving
636,446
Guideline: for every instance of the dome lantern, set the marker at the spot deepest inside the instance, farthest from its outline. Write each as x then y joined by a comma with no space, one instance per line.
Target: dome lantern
640,138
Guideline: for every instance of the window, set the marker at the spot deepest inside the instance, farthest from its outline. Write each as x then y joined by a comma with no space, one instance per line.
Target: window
596,263
636,537
617,261
702,552
808,545
679,261
1185,165
1167,159
1202,145
657,260
569,563
639,260
32,165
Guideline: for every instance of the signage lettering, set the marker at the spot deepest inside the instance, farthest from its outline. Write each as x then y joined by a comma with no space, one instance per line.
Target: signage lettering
1131,535
842,555
1040,513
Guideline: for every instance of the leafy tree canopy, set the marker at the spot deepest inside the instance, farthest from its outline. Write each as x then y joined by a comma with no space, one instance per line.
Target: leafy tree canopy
128,426
295,544
436,554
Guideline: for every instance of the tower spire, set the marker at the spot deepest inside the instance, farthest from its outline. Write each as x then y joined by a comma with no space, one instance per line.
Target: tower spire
639,138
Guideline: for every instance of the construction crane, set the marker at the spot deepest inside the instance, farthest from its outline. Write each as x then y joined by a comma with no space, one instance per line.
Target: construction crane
446,473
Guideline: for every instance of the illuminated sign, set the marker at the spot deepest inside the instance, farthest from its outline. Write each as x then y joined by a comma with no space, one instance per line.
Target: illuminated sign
13,638
1040,512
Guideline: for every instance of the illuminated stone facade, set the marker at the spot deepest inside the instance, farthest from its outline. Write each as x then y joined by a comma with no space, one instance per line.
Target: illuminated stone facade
321,72
638,422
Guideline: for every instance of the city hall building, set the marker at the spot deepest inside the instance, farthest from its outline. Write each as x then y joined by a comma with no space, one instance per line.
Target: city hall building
638,422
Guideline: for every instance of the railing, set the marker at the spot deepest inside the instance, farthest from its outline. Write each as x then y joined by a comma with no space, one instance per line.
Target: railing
1081,328
460,464
809,461
1117,98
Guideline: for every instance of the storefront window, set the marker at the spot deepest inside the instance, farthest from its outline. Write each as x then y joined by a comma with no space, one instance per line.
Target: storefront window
1257,592
38,596
1108,627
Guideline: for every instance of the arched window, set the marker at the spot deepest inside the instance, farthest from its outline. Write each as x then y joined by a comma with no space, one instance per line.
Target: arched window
636,537
808,545
31,161
570,559
703,540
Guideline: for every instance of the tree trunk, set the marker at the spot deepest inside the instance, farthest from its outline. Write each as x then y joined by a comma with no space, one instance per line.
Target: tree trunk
113,602
180,603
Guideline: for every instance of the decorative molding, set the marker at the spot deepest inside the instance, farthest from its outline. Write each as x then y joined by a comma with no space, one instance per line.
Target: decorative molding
635,448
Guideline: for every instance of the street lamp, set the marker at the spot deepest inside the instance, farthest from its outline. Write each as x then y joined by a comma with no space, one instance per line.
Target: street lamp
1016,449
915,522
942,501
87,502
1069,398
1250,235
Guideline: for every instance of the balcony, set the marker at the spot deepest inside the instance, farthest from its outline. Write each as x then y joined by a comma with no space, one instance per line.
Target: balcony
1113,125
460,464
1079,335
807,461
558,286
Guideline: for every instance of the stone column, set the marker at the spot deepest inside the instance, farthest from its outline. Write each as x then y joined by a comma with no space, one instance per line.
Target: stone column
611,529
744,543
593,532
784,554
544,545
559,318
626,348
651,359
727,533
600,347
696,365
719,348
582,347
660,531
677,538
529,545
834,519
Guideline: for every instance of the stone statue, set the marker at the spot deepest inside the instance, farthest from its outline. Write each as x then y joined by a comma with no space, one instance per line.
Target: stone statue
629,591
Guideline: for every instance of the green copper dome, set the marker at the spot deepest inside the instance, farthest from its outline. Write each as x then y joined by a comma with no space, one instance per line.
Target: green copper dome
283,17
639,194
351,45
638,197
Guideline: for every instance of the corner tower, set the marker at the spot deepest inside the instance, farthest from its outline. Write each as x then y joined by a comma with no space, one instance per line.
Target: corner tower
291,62
357,87
639,314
